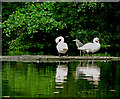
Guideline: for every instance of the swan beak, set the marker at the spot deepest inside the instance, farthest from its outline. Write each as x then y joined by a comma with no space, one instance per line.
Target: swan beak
73,40
98,40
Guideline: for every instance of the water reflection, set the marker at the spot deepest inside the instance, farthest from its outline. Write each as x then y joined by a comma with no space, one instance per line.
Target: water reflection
61,75
53,79
89,72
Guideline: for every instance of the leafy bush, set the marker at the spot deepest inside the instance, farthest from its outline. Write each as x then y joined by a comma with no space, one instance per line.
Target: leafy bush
35,25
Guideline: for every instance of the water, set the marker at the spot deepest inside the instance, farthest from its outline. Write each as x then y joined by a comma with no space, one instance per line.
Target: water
61,79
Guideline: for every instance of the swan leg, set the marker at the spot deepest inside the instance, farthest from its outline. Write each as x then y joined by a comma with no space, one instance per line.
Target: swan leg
65,55
92,54
88,54
59,55
84,52
80,52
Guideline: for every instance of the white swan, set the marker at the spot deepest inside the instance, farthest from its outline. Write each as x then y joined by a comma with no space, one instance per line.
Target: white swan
61,46
91,47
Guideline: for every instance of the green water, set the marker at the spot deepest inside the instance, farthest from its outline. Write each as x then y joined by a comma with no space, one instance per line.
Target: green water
61,79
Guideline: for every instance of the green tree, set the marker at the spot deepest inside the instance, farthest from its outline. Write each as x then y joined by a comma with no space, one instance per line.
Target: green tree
28,26
36,25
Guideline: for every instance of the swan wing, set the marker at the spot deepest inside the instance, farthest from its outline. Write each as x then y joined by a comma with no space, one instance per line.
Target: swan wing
86,46
62,47
92,47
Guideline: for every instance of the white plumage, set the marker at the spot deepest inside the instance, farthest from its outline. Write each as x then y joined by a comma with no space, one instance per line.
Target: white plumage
91,47
61,46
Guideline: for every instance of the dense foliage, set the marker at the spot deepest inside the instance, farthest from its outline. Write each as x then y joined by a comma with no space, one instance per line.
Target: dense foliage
33,25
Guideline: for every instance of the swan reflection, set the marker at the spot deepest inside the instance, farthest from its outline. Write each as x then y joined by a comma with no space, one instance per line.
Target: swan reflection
90,72
61,75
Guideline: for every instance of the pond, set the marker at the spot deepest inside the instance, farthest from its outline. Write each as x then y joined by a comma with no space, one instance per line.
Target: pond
61,79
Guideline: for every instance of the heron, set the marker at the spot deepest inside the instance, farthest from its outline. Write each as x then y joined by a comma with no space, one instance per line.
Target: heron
61,46
91,47
79,44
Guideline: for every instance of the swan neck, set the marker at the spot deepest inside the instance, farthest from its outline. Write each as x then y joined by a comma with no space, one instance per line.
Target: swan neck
62,40
96,42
